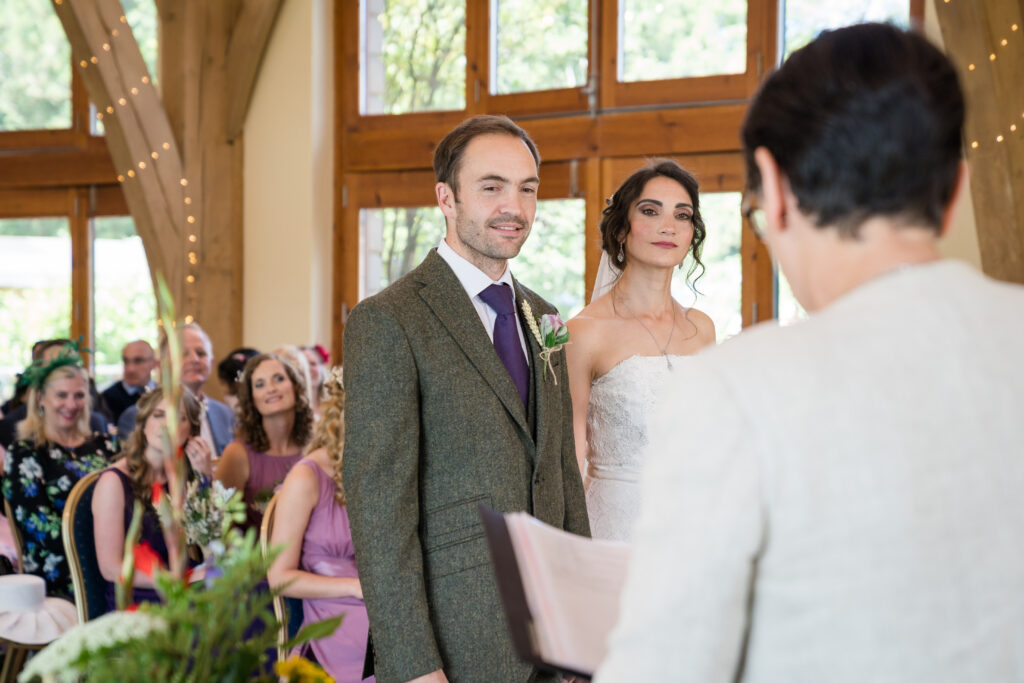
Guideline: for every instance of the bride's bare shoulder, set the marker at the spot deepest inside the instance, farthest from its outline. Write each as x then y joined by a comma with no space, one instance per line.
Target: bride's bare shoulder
591,325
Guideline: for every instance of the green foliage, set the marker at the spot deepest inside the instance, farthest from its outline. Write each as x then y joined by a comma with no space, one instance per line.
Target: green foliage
35,67
202,634
524,63
682,38
805,19
422,56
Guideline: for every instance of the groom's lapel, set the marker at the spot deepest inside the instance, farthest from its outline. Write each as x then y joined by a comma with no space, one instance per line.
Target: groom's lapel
445,296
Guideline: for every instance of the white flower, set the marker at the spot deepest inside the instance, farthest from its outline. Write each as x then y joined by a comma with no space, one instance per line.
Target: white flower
64,483
30,469
51,562
54,661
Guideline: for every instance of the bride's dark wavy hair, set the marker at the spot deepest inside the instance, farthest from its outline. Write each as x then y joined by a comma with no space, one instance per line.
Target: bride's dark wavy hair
615,217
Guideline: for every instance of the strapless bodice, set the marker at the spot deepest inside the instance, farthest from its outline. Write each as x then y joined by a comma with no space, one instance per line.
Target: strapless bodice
620,402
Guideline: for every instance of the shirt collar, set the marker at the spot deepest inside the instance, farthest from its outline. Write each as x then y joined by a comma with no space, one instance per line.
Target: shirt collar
473,279
132,389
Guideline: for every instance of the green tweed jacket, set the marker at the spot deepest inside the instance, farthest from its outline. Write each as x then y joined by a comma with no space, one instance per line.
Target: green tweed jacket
435,427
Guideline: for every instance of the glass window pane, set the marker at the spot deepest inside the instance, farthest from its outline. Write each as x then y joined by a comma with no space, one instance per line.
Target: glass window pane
551,262
661,39
35,67
718,292
125,306
805,19
412,56
394,241
35,290
522,63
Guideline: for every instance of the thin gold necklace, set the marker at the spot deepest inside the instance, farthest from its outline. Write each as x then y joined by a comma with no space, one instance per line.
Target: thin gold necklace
662,349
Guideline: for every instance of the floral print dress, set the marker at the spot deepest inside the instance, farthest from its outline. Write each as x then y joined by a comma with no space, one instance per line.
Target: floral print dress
37,481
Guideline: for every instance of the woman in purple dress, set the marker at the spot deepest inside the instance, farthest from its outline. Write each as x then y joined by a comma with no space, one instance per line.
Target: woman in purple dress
274,425
318,563
132,478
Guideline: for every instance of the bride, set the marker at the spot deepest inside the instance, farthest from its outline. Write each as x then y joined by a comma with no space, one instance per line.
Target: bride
631,335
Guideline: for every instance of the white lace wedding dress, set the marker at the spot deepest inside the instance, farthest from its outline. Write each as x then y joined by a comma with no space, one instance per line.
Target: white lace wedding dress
617,441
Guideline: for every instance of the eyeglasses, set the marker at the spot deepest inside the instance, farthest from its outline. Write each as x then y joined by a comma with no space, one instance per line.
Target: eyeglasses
756,218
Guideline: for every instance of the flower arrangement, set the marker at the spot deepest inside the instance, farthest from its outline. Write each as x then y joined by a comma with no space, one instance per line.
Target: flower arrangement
210,509
550,332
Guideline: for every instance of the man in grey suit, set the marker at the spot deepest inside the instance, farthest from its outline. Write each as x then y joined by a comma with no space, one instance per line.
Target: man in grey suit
450,406
847,503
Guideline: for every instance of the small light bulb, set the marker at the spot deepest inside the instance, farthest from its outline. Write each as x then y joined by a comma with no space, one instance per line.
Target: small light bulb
155,155
188,319
191,219
970,67
83,63
188,200
135,91
145,79
192,238
99,115
1013,127
166,145
106,47
1003,42
190,279
992,57
142,165
122,101
120,178
131,173
184,183
114,33
94,60
999,138
110,110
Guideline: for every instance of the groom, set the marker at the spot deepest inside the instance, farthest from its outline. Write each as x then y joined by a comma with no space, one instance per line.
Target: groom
448,408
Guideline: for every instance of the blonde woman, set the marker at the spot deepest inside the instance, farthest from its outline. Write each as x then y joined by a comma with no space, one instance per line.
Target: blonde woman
55,449
132,478
318,564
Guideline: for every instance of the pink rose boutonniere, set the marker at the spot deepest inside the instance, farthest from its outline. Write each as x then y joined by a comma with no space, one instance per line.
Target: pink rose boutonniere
551,333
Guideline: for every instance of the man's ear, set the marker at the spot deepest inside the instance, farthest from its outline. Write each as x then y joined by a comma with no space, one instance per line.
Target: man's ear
959,187
773,189
445,199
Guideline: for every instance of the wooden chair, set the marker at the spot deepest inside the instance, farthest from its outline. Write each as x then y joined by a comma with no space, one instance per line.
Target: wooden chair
80,548
15,533
287,610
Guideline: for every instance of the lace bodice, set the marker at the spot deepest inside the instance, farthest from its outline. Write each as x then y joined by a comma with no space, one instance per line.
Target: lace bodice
617,441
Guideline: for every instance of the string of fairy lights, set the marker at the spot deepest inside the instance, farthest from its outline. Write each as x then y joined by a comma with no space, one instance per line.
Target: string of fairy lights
129,174
992,56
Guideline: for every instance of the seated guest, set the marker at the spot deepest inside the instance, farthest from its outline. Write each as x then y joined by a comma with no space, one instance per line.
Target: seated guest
318,563
847,505
318,358
229,374
55,449
274,425
132,478
138,360
196,364
46,350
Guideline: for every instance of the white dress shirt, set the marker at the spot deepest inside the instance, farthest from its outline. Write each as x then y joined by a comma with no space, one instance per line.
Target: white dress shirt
475,281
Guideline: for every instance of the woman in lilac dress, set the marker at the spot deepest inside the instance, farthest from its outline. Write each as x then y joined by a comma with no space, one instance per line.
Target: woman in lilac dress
132,478
274,425
318,564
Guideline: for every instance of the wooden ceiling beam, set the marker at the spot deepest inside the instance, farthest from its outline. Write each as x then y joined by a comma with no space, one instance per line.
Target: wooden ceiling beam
248,43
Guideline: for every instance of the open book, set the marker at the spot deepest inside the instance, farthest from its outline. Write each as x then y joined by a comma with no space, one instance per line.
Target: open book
560,591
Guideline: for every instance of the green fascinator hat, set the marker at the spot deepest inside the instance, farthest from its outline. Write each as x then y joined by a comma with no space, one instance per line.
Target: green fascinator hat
35,375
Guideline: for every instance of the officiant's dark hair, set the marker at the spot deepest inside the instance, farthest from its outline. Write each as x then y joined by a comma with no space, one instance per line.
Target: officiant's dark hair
448,153
615,217
863,121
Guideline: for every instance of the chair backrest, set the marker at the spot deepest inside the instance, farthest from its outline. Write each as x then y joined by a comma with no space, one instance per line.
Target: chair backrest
80,548
287,610
15,533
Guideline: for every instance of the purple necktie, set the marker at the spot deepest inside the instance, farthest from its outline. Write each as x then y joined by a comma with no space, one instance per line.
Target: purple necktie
506,336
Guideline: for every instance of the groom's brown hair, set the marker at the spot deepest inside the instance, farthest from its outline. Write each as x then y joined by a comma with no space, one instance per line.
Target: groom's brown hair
448,153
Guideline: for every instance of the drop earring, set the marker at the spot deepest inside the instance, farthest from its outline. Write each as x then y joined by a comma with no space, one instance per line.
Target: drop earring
621,256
